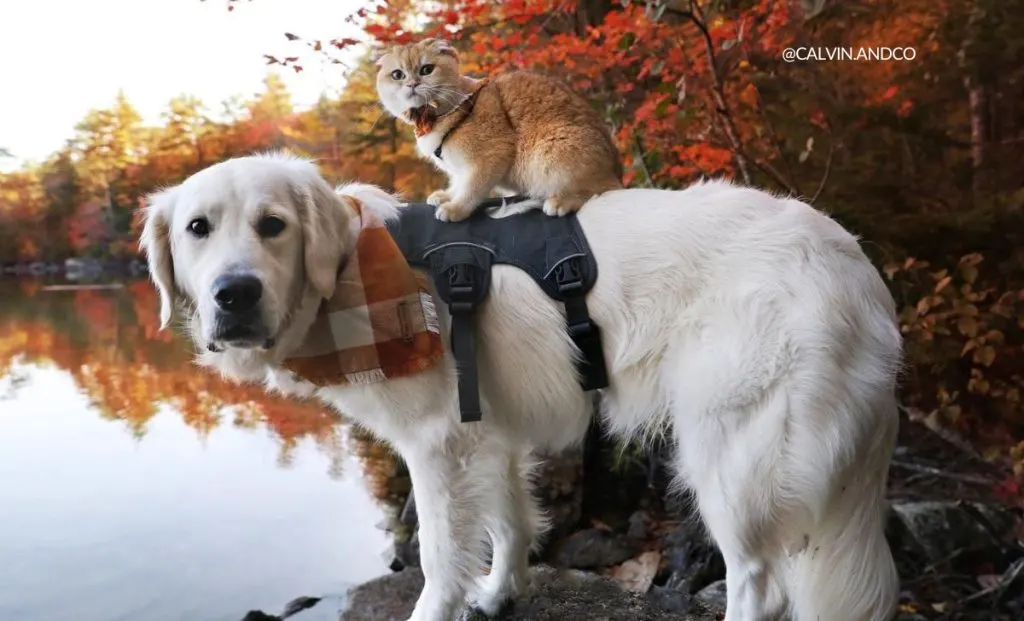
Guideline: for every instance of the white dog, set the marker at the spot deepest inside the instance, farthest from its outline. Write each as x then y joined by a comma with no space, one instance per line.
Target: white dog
751,328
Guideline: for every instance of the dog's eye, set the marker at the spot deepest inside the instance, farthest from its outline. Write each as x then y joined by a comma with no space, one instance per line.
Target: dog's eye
397,74
271,226
426,69
200,227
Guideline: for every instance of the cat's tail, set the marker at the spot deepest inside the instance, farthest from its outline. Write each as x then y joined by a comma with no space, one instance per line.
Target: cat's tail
512,208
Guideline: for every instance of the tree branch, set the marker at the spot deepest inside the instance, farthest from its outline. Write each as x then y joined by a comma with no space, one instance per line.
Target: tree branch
936,472
696,17
643,161
828,165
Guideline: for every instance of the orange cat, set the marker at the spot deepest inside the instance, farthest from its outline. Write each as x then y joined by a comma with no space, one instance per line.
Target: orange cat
518,132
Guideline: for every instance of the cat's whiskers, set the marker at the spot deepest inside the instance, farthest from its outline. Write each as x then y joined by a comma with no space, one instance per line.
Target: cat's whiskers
449,96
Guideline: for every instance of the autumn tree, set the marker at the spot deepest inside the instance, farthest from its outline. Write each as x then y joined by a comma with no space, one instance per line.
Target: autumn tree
107,143
61,189
186,126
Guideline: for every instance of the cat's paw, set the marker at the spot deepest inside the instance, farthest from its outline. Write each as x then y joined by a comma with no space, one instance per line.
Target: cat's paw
437,197
452,211
562,205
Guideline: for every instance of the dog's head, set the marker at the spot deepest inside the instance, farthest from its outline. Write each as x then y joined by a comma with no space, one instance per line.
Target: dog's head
243,243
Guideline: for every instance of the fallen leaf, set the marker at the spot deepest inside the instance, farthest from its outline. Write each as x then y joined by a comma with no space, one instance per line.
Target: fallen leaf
989,581
636,575
599,525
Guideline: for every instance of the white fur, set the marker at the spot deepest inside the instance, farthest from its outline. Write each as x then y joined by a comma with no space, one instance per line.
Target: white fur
751,328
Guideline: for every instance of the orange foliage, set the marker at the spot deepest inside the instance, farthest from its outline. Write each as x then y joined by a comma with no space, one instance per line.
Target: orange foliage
97,337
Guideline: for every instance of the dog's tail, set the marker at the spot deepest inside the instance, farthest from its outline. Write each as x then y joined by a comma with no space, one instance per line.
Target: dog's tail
847,572
382,203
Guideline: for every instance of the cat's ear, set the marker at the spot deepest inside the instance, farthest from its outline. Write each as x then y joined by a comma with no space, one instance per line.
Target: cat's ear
443,47
378,54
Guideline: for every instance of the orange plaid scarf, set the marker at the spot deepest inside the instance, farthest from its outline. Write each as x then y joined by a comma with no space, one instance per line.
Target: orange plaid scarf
380,323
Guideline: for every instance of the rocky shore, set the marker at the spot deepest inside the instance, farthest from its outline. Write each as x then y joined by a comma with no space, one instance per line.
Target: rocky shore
624,549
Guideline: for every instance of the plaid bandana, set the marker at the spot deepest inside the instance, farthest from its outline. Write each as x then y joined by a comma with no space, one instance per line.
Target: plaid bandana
381,322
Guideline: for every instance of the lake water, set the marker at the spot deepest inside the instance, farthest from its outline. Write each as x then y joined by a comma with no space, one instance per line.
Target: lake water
134,486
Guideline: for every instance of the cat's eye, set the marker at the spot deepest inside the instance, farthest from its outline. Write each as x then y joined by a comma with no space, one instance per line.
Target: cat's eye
397,74
199,227
270,226
426,69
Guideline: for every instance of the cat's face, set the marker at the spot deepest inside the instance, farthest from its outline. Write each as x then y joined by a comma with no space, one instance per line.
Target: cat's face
414,75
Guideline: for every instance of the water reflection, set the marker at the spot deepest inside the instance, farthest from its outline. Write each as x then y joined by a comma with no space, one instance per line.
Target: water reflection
135,486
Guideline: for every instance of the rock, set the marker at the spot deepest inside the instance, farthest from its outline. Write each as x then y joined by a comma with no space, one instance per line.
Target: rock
942,530
407,552
299,604
408,516
593,548
670,600
713,595
558,486
303,609
327,608
691,560
637,525
558,595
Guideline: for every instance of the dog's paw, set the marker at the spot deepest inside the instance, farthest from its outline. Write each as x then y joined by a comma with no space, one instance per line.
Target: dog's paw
437,197
493,596
452,211
559,206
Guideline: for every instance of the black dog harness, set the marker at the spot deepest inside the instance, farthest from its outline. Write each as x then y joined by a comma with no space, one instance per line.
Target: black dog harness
459,256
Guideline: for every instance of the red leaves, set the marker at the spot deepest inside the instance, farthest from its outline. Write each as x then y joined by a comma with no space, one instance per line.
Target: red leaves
1009,489
343,43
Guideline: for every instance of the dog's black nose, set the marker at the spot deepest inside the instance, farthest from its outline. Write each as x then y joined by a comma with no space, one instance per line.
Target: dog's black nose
237,293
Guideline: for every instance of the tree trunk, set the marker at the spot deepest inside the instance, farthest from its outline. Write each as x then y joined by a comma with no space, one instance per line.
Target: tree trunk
591,13
977,99
972,63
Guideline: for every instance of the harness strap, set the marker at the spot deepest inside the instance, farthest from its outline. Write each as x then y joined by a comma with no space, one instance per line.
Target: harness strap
462,277
467,106
585,334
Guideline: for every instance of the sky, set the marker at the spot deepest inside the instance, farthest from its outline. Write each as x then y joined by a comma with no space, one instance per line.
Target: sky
62,58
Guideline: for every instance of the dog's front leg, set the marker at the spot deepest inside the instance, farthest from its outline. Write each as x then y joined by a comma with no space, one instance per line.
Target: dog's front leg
513,520
451,535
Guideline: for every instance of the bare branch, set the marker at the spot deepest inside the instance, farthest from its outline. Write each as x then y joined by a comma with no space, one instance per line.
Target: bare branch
937,472
643,161
828,164
696,16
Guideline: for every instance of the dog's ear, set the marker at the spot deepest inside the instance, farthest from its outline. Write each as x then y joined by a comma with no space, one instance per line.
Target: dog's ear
155,241
324,230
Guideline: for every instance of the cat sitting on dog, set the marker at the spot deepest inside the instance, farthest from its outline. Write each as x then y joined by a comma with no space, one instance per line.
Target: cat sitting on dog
517,132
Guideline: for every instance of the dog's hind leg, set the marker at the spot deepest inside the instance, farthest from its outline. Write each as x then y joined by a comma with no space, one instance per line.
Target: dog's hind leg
734,470
513,521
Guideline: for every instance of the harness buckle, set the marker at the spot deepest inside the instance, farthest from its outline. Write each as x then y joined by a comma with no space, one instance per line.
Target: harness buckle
462,285
579,331
569,276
